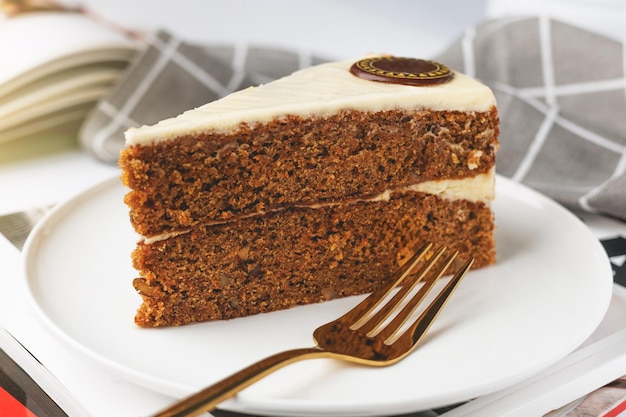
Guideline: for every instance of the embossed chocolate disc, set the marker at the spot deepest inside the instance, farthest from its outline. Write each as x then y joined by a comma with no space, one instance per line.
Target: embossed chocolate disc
397,70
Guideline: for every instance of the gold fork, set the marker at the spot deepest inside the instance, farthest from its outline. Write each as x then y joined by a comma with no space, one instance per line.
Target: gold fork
369,334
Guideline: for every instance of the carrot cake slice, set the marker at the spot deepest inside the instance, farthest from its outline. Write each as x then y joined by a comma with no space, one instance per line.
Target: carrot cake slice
308,188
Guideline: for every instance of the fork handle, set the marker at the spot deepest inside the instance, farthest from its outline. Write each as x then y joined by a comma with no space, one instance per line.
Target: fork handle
210,397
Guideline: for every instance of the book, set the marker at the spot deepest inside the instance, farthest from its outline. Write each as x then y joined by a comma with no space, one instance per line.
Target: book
54,67
607,401
27,388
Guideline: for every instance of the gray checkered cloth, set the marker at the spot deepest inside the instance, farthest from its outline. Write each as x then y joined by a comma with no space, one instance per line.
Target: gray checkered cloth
170,76
561,94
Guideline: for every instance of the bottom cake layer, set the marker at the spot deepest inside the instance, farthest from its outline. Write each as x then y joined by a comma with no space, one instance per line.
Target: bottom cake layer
299,256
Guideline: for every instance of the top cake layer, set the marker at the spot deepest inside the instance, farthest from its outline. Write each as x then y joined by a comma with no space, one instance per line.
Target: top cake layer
316,91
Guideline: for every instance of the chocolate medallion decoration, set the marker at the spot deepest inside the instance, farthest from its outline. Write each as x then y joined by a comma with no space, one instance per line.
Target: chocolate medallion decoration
397,70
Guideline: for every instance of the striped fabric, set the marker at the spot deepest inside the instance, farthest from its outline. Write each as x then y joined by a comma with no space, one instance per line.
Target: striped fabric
561,94
171,76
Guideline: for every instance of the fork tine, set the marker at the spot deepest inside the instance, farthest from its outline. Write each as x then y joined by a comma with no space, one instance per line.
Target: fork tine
421,325
432,274
370,325
361,310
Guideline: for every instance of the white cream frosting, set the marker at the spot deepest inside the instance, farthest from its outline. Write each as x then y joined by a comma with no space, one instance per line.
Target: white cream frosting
479,188
316,91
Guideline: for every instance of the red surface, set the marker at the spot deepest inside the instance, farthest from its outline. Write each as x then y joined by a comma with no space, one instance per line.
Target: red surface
10,407
617,410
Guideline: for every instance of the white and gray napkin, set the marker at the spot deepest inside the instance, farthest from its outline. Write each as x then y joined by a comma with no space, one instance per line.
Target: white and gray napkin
561,93
171,76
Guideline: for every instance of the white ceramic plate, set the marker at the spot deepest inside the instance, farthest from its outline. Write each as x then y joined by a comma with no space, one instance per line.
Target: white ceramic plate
548,292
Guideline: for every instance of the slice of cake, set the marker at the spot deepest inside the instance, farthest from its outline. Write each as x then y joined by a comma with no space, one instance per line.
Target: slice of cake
312,187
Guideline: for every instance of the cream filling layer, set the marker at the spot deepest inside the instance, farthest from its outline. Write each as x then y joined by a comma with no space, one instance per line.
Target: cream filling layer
316,91
479,188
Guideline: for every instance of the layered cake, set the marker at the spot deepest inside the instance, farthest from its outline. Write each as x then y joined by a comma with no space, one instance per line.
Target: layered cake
315,186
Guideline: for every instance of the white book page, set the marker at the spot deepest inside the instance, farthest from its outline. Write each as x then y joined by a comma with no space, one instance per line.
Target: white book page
35,44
